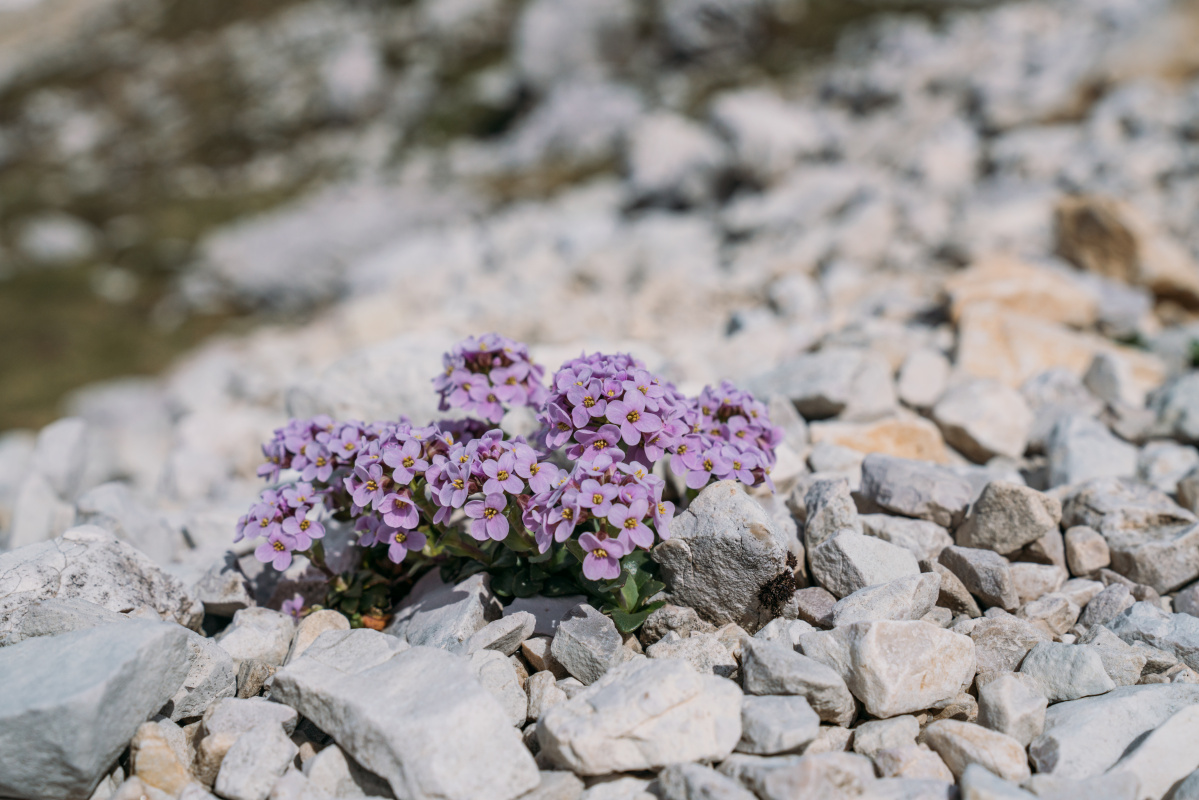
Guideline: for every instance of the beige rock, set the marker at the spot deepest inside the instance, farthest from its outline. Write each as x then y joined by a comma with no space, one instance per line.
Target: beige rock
903,436
912,761
1036,580
313,626
824,775
1166,756
537,652
1055,611
210,752
963,743
1011,348
923,377
1086,551
1014,285
155,761
1111,238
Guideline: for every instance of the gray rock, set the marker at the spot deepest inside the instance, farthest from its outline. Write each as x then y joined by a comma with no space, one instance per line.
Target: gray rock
882,734
232,716
703,651
1188,789
504,635
1081,448
449,739
224,590
721,551
338,775
1163,464
357,649
1166,756
923,377
835,382
1036,580
912,761
88,563
1086,551
52,617
548,611
1107,605
814,606
556,785
643,715
672,160
1122,662
903,598
983,419
113,507
1083,738
252,678
437,615
829,510
1052,395
1174,633
953,594
72,702
961,744
1103,787
979,783
1007,517
776,724
851,561
1014,706
769,668
568,39
680,619
211,676
60,455
1175,407
922,538
1001,642
587,644
1187,600
497,675
915,489
697,782
895,667
38,513
986,574
1081,591
784,631
259,634
1067,671
255,761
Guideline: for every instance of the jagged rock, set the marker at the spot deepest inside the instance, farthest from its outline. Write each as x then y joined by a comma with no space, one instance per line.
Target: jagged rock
587,644
915,489
851,561
1006,517
721,551
680,619
1001,642
1014,706
1107,605
72,703
774,669
436,615
829,509
903,599
643,715
258,634
697,782
1081,448
450,738
774,724
1174,633
497,675
871,737
253,764
311,627
224,589
983,419
88,563
924,539
1086,551
504,635
986,574
703,651
961,744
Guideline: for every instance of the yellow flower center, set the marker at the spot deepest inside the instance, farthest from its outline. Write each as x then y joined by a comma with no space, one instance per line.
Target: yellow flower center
279,548
458,483
349,445
630,523
372,486
262,523
708,464
588,401
682,449
600,444
633,416
401,537
489,513
304,525
408,461
321,461
568,513
599,552
534,468
597,498
501,475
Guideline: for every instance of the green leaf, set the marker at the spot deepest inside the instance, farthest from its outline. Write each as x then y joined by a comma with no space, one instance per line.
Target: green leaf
627,623
629,595
524,587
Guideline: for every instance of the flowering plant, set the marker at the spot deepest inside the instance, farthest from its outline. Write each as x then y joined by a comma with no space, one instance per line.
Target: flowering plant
574,509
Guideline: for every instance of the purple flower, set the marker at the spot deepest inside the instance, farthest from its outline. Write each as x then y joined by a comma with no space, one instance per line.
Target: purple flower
701,466
489,520
405,461
454,486
373,531
401,542
484,402
294,607
597,497
587,401
501,476
399,511
558,424
276,550
662,514
540,476
593,444
628,520
367,486
303,530
741,464
603,557
320,463
300,494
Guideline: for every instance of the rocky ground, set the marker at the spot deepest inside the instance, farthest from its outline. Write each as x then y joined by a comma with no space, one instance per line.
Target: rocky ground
959,257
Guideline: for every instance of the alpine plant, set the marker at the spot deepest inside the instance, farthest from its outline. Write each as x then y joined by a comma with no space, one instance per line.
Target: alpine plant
576,508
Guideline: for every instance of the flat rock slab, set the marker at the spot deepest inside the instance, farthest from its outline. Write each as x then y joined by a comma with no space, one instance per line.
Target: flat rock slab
71,703
1174,633
88,563
1084,738
435,614
916,489
851,561
417,718
643,715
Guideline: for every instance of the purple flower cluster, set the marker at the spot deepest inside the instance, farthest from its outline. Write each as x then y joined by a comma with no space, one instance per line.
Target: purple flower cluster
731,438
485,375
506,473
622,499
612,407
286,521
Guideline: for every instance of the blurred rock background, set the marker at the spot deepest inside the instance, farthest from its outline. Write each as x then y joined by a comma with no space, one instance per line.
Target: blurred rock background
273,207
